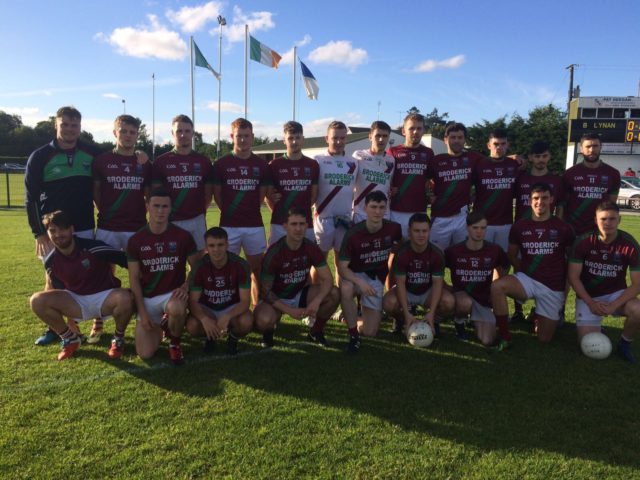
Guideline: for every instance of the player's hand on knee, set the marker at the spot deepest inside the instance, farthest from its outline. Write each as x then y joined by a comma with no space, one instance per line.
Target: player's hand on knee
211,329
180,294
145,321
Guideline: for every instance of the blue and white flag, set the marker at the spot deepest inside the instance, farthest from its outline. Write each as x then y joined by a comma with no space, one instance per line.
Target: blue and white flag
310,83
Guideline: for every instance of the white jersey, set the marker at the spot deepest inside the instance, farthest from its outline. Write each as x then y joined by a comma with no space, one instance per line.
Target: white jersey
335,185
374,173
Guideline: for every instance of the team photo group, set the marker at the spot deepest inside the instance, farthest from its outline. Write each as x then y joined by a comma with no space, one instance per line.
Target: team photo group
394,220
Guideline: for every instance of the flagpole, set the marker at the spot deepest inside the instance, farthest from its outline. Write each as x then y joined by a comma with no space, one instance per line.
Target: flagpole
246,67
193,108
295,51
153,116
221,21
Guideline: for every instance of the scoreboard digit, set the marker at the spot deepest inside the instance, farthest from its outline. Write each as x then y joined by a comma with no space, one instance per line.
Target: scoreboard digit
633,131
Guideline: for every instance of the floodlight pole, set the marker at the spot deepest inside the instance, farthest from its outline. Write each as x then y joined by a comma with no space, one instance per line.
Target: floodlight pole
222,22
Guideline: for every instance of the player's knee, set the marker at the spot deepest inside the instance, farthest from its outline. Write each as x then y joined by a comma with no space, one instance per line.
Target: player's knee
632,310
243,324
193,326
447,303
389,302
145,352
175,309
37,301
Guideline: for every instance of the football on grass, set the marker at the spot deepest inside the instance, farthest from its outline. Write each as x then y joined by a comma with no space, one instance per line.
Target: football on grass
420,334
596,345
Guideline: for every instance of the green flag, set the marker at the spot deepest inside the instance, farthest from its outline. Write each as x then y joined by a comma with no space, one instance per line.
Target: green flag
202,62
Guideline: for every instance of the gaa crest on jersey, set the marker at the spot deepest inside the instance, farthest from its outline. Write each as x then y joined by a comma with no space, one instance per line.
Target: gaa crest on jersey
604,180
159,247
139,170
553,234
510,170
617,258
487,262
465,161
197,168
387,241
173,247
256,172
307,171
86,263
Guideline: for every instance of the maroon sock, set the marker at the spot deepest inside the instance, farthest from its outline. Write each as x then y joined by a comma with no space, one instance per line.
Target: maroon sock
173,340
353,331
502,321
318,326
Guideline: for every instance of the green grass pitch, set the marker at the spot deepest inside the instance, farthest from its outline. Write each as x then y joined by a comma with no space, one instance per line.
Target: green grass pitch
392,411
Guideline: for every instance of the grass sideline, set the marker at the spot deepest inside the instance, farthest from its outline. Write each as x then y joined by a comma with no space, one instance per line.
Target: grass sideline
452,411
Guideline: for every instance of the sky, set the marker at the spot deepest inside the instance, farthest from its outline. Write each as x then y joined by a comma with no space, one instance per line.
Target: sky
372,60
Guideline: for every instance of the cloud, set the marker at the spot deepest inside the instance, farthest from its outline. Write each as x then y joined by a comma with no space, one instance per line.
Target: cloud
147,41
431,65
111,95
226,107
192,19
257,21
287,57
340,53
536,93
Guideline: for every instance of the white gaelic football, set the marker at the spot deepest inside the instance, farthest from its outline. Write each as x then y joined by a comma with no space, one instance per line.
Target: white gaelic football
596,345
420,334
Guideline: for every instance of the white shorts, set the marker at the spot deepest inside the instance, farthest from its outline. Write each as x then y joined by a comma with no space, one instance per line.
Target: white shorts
117,240
299,300
251,239
278,231
196,226
374,302
548,302
413,299
85,234
328,235
498,234
217,313
403,219
480,313
90,305
155,307
447,231
585,317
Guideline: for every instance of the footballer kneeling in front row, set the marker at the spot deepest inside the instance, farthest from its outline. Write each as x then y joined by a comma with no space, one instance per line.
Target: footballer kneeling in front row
285,283
219,294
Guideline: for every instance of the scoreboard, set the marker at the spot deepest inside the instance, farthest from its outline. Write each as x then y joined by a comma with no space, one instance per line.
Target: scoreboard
632,133
610,131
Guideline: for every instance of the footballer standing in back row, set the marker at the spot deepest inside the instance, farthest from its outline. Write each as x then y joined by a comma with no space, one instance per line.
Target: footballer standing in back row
240,183
410,184
187,176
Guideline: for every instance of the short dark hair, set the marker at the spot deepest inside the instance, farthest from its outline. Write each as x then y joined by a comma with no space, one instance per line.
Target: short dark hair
336,125
58,218
590,136
375,196
241,123
159,192
295,211
475,217
69,111
419,218
538,147
380,125
216,232
540,187
182,119
455,127
606,206
418,117
292,127
498,133
127,120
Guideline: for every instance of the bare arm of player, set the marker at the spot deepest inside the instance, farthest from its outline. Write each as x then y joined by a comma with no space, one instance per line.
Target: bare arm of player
347,274
401,294
512,255
628,293
141,157
217,195
208,195
325,280
573,275
314,194
182,292
559,212
436,295
270,197
238,309
209,324
267,294
136,289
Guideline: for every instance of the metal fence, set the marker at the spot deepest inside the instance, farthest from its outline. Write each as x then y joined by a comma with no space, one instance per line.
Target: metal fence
12,190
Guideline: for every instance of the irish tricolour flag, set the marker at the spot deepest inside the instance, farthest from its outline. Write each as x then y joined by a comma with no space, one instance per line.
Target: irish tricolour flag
263,54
